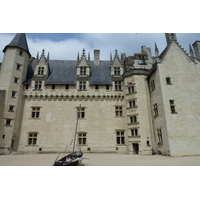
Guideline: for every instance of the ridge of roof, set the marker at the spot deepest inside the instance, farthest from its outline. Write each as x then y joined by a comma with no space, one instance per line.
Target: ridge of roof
19,41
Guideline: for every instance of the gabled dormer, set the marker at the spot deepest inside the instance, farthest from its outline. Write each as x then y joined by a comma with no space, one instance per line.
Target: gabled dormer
83,65
116,65
41,71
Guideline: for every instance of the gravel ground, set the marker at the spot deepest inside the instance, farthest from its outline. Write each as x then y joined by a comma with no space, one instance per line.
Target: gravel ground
98,159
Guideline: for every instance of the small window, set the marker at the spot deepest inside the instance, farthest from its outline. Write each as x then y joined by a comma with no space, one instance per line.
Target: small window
18,67
96,87
133,119
82,70
155,109
81,112
8,121
38,85
13,94
152,84
53,87
32,138
131,89
11,108
16,80
168,81
107,87
26,86
120,137
134,132
35,112
40,70
21,53
132,104
118,111
159,133
66,87
82,139
172,107
3,136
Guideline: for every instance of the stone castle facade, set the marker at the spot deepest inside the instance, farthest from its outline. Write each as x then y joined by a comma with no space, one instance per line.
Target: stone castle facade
138,104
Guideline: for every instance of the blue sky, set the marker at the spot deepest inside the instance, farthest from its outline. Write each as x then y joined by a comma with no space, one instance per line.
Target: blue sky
65,46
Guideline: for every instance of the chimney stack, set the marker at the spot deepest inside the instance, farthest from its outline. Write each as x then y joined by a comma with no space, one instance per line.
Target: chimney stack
96,57
196,47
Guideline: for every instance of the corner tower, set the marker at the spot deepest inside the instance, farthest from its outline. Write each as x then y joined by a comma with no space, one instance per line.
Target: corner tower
13,73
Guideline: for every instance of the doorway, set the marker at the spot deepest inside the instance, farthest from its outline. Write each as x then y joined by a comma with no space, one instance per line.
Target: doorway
135,148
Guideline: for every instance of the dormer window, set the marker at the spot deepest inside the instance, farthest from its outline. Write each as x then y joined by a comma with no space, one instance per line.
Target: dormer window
40,70
82,70
38,85
116,70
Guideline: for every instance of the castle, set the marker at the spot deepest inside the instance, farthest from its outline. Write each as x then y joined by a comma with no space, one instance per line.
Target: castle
137,104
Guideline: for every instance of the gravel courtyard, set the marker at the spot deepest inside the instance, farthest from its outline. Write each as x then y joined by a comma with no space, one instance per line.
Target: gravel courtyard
98,159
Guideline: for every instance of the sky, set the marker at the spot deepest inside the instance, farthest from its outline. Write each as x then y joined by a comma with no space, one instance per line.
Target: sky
65,46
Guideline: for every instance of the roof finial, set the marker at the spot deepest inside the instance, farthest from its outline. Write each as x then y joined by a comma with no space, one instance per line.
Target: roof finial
156,50
83,51
43,52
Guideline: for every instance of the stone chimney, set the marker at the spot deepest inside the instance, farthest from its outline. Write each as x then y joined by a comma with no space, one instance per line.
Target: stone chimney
196,47
96,57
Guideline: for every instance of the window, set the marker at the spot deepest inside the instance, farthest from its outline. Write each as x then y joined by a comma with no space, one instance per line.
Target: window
134,132
53,87
32,138
172,106
35,112
11,108
13,94
82,140
3,136
16,80
83,70
133,119
8,122
107,87
120,137
26,86
132,104
40,70
20,53
152,85
66,87
18,67
118,85
96,87
131,89
118,111
116,70
155,109
159,133
82,85
38,85
168,81
81,112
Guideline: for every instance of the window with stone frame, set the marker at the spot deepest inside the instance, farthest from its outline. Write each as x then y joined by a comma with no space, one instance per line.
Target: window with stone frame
172,107
32,138
40,70
159,134
82,85
38,85
82,138
131,89
134,132
83,70
152,85
155,109
18,67
133,119
118,111
132,104
116,70
8,122
11,108
16,80
35,112
80,112
168,81
120,137
118,85
13,94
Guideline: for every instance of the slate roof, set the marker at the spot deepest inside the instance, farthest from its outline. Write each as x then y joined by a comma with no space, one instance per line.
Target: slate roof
64,72
19,41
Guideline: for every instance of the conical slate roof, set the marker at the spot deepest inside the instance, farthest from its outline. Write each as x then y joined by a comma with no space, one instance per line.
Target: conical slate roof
19,41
